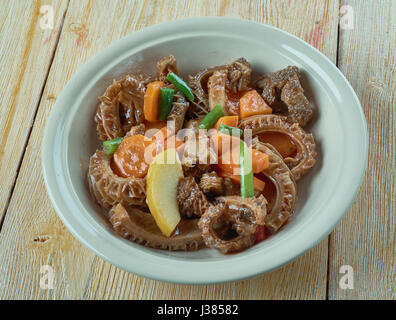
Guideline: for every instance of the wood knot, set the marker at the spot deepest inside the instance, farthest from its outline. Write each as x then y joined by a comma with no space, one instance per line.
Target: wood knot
42,239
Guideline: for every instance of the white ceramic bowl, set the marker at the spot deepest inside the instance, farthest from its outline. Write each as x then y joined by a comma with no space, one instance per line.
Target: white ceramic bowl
324,195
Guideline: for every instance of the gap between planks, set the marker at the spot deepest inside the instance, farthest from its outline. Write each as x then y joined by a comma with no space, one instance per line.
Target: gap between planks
2,219
330,235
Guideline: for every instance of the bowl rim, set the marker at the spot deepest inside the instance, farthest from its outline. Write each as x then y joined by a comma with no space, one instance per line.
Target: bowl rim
87,235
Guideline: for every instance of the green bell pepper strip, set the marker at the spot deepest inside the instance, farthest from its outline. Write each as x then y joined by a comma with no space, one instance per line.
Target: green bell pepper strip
111,145
211,118
232,131
181,85
246,171
165,102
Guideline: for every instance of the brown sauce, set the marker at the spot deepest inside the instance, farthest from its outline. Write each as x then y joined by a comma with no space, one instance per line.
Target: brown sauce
233,102
204,82
281,142
269,191
126,117
225,231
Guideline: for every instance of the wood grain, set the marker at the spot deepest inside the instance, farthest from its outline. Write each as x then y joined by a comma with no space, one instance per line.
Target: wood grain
26,53
365,238
32,234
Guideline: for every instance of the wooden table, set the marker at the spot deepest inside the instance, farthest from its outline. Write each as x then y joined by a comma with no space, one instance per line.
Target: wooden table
35,65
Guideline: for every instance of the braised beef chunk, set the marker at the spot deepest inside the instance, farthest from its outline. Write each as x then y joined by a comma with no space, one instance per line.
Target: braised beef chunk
196,171
282,90
139,129
193,124
166,65
298,105
198,150
192,201
230,188
197,156
272,84
217,89
178,112
211,184
239,73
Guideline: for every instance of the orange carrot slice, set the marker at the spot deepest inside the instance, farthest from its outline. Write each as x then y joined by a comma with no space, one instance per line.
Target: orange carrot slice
151,97
224,142
252,103
129,158
231,121
280,141
260,161
229,161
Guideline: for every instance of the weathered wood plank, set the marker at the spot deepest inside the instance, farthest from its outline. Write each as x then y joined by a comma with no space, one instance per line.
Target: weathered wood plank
30,217
26,54
365,239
